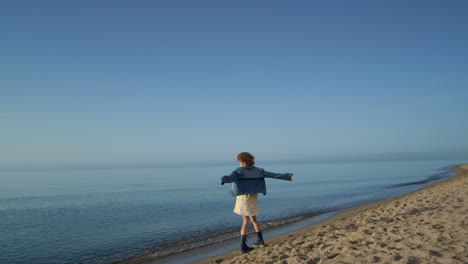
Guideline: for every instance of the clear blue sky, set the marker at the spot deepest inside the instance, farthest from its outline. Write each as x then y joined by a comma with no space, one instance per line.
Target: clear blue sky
170,81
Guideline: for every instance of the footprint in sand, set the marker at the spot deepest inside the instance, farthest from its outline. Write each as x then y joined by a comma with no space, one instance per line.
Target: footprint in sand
435,254
413,260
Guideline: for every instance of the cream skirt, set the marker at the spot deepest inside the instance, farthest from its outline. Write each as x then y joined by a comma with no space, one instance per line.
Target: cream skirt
247,204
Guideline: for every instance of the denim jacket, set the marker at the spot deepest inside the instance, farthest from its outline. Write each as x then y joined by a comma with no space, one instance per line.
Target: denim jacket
248,180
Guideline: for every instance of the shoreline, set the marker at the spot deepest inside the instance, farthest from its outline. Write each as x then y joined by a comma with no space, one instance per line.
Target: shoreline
197,253
402,229
275,227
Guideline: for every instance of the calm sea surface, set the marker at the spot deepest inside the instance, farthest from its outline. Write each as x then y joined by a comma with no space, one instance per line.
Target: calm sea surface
100,216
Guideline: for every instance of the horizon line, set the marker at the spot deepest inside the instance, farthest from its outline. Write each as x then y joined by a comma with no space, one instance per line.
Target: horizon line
377,157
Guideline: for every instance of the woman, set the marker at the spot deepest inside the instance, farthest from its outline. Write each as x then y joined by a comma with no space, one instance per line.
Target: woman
248,180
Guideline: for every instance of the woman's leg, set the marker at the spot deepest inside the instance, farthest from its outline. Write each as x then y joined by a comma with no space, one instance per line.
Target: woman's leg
255,223
258,229
243,232
245,224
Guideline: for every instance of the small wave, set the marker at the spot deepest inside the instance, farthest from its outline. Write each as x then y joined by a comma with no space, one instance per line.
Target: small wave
432,178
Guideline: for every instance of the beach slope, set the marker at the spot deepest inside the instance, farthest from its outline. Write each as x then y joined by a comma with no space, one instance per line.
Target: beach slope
429,225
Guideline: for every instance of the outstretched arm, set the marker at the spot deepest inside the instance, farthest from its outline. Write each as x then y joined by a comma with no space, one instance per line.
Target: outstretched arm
279,176
234,176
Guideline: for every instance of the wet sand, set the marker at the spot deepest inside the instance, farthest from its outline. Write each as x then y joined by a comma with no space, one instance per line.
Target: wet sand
429,225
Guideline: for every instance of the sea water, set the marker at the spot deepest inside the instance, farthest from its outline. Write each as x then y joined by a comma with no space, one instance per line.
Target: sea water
102,216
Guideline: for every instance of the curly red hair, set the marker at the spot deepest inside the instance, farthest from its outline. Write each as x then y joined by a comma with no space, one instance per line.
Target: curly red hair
246,158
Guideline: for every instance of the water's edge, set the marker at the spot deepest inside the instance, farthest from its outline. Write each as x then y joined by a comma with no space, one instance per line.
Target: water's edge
227,243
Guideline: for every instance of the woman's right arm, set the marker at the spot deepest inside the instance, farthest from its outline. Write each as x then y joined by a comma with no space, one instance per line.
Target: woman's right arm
234,176
280,176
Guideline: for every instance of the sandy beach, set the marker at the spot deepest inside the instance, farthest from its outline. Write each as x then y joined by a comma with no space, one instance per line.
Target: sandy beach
429,225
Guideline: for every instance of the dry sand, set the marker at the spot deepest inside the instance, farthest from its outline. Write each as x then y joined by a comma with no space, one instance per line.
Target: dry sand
429,225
